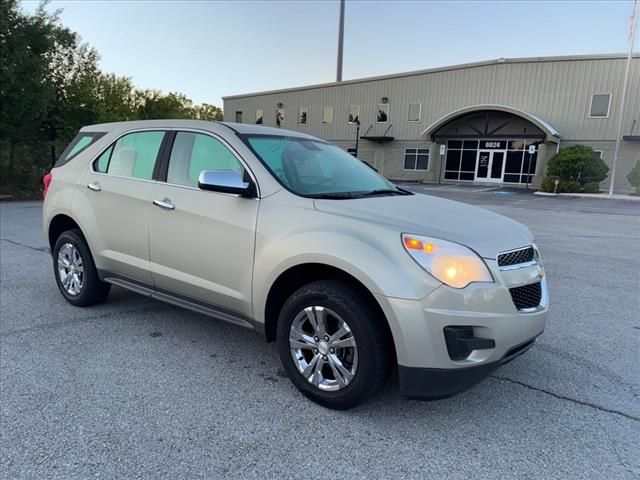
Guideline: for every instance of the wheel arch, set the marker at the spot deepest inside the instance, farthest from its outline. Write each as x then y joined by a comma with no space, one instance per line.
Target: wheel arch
59,224
302,274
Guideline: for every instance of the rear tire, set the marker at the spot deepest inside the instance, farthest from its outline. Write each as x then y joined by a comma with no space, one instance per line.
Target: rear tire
75,270
344,363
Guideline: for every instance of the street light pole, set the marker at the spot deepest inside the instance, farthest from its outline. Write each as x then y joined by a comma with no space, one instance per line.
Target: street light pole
340,42
357,136
623,101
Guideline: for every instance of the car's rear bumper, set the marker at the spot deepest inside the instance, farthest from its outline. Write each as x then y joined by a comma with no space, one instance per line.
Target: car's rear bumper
437,383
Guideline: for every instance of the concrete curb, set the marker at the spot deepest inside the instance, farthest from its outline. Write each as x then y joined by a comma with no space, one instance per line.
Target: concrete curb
599,196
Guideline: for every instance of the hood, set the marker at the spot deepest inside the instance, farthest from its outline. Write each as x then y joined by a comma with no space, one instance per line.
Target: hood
486,232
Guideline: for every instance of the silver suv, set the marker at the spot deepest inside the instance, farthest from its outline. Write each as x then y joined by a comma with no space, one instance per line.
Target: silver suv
288,235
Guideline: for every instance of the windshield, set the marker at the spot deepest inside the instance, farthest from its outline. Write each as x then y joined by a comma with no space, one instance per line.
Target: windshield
316,169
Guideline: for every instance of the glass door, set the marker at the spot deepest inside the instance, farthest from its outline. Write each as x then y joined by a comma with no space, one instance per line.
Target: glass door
490,166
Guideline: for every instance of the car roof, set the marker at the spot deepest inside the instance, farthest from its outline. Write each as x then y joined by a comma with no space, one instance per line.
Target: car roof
218,127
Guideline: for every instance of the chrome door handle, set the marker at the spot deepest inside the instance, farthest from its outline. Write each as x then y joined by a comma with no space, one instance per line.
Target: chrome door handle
94,186
166,203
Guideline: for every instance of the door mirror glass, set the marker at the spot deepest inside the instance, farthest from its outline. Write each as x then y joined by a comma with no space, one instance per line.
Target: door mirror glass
226,181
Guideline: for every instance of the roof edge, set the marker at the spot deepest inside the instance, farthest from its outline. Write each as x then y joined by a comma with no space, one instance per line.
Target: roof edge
497,61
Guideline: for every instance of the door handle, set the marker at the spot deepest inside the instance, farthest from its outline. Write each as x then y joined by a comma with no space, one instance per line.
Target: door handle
166,204
94,186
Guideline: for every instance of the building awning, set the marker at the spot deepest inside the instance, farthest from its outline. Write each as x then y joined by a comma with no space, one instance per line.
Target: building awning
631,138
551,133
377,138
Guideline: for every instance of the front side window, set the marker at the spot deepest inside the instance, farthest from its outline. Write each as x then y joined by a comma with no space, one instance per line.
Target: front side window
259,114
193,153
354,113
314,168
416,159
600,103
327,116
302,116
414,112
133,155
383,113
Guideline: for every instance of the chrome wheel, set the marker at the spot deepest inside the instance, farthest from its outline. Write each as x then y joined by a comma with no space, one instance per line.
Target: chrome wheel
323,348
70,269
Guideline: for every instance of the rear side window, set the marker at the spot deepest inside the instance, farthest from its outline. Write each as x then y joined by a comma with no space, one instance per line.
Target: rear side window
133,155
193,153
80,142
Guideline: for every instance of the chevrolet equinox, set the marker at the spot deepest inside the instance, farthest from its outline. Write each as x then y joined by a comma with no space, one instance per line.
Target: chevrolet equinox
289,235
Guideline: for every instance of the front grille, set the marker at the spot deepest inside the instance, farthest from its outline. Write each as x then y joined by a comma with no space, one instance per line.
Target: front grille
528,296
515,257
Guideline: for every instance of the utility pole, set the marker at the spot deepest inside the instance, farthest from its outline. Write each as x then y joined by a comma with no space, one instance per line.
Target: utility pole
623,103
340,42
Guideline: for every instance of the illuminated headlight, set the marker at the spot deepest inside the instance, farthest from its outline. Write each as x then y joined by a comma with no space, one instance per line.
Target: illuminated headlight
451,263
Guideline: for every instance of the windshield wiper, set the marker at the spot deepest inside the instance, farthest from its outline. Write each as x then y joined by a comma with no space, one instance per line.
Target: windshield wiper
384,191
336,195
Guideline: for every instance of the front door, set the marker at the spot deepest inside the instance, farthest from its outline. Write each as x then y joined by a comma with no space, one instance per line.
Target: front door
490,166
201,243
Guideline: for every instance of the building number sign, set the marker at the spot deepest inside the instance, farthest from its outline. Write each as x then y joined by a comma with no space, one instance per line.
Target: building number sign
494,144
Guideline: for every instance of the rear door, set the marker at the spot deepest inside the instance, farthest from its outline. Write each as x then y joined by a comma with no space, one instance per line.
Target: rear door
202,242
117,203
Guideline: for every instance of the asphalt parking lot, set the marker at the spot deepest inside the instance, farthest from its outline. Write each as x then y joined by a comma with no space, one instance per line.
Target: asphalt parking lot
134,388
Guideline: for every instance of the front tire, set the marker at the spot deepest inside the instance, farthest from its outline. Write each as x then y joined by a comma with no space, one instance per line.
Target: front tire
333,344
75,271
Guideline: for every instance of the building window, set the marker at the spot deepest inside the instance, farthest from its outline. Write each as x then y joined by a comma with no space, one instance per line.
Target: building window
280,116
383,113
302,116
238,117
259,114
414,112
416,159
327,116
352,151
598,153
354,114
600,103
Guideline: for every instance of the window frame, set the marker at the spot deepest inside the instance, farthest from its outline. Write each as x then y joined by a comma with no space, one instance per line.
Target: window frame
260,117
388,109
166,139
240,113
416,154
357,115
600,153
282,113
324,113
608,106
306,115
409,112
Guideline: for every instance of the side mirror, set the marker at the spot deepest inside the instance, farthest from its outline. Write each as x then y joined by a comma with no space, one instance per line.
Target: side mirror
226,181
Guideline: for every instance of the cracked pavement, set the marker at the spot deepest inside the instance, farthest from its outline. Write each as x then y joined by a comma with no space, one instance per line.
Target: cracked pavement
134,388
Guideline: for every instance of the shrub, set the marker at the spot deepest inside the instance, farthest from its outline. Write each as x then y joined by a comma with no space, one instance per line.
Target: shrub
569,186
548,184
591,187
634,177
578,163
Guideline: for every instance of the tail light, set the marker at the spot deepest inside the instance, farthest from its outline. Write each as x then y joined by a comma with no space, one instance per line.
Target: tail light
46,181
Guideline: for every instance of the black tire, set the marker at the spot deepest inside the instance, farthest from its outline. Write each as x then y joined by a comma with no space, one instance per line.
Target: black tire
93,289
371,334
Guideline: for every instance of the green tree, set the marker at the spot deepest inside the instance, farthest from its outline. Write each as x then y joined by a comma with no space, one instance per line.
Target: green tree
206,111
578,163
634,177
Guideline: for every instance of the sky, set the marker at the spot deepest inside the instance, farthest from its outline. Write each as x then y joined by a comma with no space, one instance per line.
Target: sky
210,49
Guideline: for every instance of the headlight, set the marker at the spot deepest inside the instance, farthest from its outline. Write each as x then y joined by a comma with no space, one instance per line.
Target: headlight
451,263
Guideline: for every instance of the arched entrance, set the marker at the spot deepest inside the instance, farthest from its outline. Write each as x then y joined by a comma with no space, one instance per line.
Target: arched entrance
492,144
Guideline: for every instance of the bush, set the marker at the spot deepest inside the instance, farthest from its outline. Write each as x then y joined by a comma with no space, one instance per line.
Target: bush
634,177
578,163
569,186
548,185
591,187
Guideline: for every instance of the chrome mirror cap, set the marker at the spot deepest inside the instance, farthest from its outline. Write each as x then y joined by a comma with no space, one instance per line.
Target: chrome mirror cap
226,181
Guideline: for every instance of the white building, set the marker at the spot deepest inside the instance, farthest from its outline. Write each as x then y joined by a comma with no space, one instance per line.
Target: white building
470,123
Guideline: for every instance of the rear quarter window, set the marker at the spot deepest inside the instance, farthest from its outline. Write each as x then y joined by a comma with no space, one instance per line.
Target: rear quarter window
79,143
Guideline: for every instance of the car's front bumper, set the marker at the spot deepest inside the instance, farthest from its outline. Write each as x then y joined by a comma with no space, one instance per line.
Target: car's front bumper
426,366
